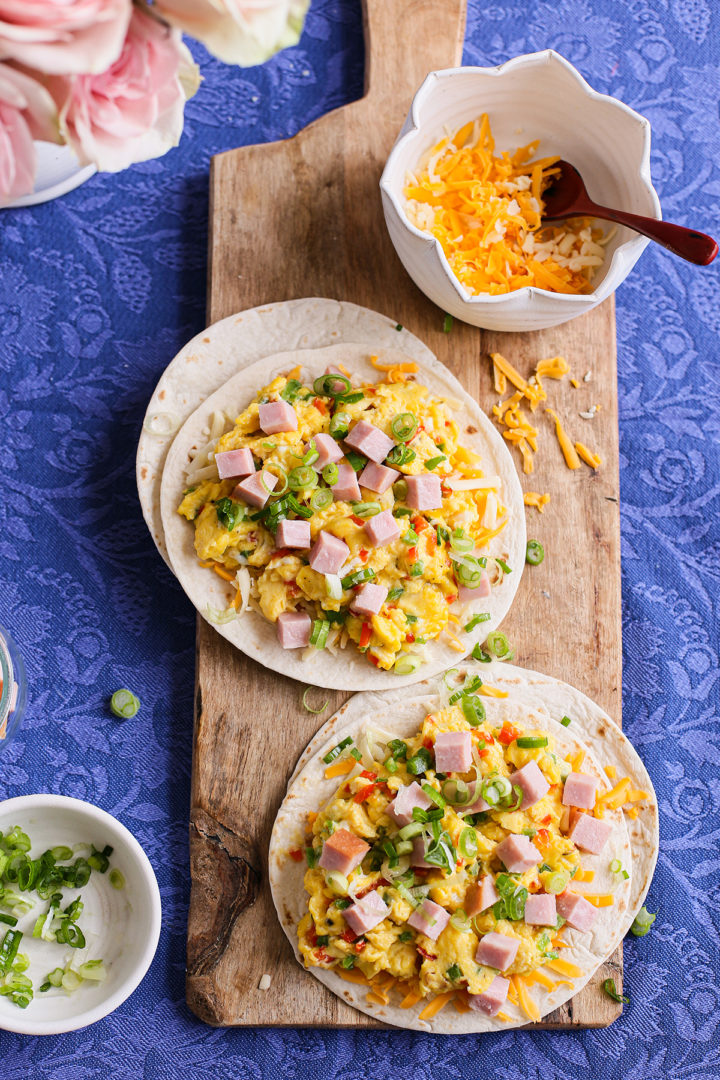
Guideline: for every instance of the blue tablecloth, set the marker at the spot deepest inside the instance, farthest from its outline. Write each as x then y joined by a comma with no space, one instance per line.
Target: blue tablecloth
98,291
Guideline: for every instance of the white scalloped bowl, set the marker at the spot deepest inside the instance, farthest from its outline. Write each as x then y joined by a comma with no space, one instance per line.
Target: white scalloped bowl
538,96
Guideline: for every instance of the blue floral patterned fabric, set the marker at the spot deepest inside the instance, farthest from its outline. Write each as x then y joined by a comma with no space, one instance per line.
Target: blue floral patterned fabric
98,291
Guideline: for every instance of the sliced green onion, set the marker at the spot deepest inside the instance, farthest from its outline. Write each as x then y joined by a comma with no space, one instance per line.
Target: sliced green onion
9,920
339,425
321,498
531,742
269,446
611,990
473,709
566,721
461,922
391,764
476,620
420,762
556,882
71,981
469,843
503,566
93,970
290,390
395,593
454,972
357,461
311,456
315,712
331,474
302,478
61,853
410,537
499,646
333,586
311,857
337,882
643,922
318,634
616,866
534,552
401,455
447,324
336,750
406,665
229,513
400,489
347,962
433,462
116,878
124,704
398,748
366,509
404,426
350,399
326,385
434,795
409,831
357,577
417,569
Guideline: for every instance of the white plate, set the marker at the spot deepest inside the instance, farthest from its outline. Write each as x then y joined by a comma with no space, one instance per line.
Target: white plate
58,171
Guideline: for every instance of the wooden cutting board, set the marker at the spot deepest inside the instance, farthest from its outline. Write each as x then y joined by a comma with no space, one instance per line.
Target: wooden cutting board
303,218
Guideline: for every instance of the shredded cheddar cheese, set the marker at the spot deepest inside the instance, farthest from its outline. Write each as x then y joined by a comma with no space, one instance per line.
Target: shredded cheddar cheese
564,967
339,768
485,211
610,772
492,691
600,899
433,1007
584,875
396,372
535,499
593,460
526,1003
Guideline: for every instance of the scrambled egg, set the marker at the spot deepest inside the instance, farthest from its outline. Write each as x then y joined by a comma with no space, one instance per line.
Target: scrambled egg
416,569
430,967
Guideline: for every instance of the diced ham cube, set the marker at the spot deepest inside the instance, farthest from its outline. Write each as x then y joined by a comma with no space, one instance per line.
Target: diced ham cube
382,529
366,913
430,919
478,806
453,751
277,416
328,553
346,488
343,851
518,853
252,490
577,912
424,492
590,833
369,440
293,534
580,790
232,463
480,896
377,477
540,910
497,950
407,798
492,998
481,591
533,784
293,629
328,451
368,599
417,857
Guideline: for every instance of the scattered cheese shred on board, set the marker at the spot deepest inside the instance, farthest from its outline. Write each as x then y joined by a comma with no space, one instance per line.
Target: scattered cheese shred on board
485,211
593,460
535,499
569,452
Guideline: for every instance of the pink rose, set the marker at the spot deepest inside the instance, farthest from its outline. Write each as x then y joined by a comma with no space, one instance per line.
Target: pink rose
27,112
244,32
62,37
134,110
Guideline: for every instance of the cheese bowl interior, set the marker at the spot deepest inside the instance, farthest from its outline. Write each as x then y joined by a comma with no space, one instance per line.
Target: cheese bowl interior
538,96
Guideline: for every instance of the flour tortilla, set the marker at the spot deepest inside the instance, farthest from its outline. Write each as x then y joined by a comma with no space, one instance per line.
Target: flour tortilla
534,700
252,633
227,347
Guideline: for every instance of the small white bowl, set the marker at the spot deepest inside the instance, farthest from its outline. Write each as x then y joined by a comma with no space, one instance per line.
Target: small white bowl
538,96
121,926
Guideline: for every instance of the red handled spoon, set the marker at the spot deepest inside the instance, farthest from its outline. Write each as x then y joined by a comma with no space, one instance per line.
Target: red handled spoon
567,196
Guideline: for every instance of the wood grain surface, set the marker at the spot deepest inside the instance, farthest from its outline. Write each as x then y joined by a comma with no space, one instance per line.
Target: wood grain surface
303,218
